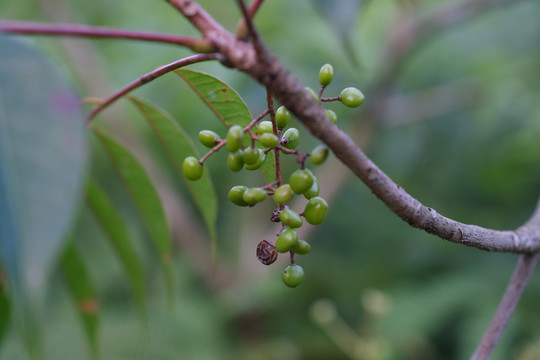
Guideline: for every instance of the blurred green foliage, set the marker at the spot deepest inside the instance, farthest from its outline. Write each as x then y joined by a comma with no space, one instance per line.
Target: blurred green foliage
375,288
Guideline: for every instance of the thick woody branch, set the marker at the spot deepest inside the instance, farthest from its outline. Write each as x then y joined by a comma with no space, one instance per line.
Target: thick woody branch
32,28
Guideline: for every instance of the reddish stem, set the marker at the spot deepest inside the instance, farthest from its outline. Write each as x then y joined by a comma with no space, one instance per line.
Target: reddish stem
335,98
33,28
149,77
213,150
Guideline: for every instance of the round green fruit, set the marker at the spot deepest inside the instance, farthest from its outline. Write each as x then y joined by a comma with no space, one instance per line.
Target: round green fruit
235,161
251,155
255,195
282,117
314,188
236,195
286,240
290,138
193,170
290,218
316,210
319,154
313,94
265,127
283,194
332,116
300,181
234,138
208,138
326,75
258,163
352,97
269,140
293,275
301,247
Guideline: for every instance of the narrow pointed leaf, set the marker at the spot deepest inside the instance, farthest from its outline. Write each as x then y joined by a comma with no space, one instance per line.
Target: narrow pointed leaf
116,233
145,197
178,146
223,100
42,159
83,292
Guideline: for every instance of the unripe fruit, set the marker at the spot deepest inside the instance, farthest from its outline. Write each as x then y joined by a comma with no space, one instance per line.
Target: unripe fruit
234,138
254,195
293,275
258,164
236,195
265,127
332,116
286,240
282,117
192,169
283,194
314,188
269,140
316,210
313,94
290,218
290,138
251,155
208,138
300,181
301,247
352,97
235,161
326,75
319,154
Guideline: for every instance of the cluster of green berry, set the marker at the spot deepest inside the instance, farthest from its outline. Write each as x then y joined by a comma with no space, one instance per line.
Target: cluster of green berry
248,148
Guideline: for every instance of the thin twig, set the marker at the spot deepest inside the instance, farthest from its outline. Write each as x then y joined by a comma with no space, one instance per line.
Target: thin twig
520,278
257,43
75,30
149,77
241,28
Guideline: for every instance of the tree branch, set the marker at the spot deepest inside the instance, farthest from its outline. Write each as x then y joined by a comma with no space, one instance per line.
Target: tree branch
149,77
520,278
33,28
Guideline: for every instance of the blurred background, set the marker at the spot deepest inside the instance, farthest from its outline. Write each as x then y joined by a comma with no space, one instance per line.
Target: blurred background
452,114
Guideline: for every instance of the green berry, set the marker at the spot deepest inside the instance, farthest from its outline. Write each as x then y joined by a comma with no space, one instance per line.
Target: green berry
258,163
313,94
301,247
293,275
208,138
319,154
255,195
251,155
300,181
193,170
314,188
326,75
352,97
235,161
283,194
265,127
282,117
269,140
316,210
286,240
236,195
290,138
235,135
332,116
290,218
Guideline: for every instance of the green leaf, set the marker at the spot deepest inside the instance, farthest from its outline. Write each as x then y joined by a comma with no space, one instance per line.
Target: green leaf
223,100
82,290
145,197
4,309
42,159
115,230
178,146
